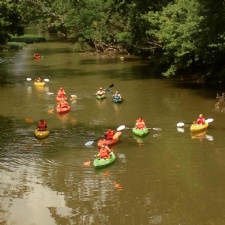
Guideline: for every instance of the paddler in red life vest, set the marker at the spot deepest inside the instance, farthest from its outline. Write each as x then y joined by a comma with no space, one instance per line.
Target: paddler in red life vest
104,152
61,93
109,134
140,124
42,126
200,120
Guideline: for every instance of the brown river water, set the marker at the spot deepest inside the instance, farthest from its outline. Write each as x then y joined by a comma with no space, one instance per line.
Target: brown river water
169,177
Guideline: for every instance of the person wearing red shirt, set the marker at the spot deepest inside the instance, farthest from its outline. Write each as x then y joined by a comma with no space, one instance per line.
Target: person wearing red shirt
42,126
140,124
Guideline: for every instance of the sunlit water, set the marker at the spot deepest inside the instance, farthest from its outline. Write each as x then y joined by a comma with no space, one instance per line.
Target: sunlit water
168,177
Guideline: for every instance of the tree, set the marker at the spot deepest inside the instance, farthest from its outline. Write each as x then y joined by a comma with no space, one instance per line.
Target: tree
10,20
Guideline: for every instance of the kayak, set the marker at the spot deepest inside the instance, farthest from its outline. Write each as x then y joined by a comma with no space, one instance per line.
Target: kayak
37,56
63,109
110,142
40,84
120,100
198,127
59,98
100,96
41,134
99,163
140,132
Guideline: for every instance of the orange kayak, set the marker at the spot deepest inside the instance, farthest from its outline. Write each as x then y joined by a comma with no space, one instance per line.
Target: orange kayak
110,142
63,109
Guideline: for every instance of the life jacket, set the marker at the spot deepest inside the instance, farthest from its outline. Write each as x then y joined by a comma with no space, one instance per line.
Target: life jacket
61,93
116,96
110,134
201,121
42,126
104,152
140,124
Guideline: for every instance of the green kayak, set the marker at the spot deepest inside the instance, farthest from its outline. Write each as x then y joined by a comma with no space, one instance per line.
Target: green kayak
100,96
102,163
140,132
120,100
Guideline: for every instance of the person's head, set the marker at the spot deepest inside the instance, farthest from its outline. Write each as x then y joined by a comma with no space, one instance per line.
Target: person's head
117,91
140,119
200,115
100,88
42,121
61,88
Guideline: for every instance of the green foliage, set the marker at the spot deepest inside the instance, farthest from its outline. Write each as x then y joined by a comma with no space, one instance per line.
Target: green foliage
10,20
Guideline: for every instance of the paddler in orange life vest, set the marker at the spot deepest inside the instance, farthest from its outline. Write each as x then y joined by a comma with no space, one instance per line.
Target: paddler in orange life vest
42,126
61,93
140,124
200,120
104,152
109,134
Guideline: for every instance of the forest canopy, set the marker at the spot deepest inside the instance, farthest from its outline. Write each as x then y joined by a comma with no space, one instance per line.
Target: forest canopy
184,35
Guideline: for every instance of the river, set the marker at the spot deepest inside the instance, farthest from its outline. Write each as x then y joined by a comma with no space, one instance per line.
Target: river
169,177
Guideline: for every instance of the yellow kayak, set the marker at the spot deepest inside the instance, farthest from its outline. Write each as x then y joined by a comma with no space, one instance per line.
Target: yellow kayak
40,84
197,127
41,134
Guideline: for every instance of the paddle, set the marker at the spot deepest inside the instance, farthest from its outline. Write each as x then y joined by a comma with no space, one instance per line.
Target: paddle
28,120
92,141
181,124
46,80
107,89
154,128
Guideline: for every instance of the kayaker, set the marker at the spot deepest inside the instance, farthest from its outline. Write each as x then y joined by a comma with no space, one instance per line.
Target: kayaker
140,124
200,120
100,91
109,134
39,79
61,93
42,126
63,103
117,96
104,152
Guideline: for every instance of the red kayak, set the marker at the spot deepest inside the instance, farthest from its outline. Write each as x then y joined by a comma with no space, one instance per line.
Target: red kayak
110,142
63,109
59,98
37,56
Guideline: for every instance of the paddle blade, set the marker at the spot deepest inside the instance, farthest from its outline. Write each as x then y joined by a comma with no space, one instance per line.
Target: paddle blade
46,80
122,127
50,93
158,129
89,143
28,120
209,120
180,124
29,79
112,85
116,135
